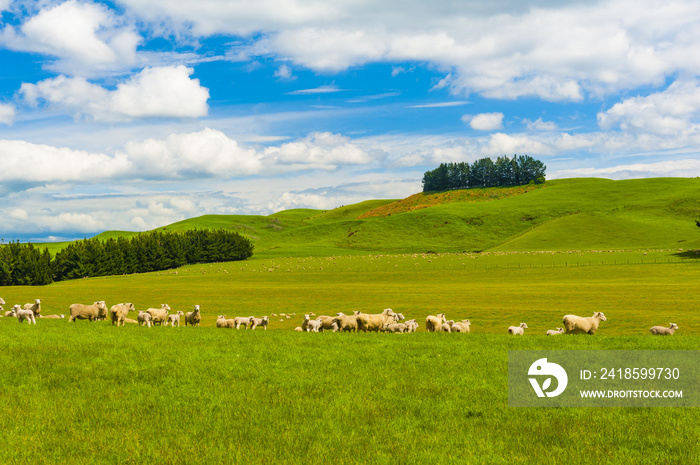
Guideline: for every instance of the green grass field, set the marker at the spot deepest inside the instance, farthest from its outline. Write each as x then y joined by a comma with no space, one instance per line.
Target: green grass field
89,393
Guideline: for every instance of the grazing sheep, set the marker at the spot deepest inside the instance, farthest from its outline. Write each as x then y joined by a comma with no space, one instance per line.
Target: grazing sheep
578,324
159,315
517,330
446,327
375,322
305,323
119,313
255,322
326,321
222,322
144,318
54,316
94,312
463,326
315,326
555,332
298,328
434,322
241,320
411,326
396,328
24,314
194,317
346,322
175,319
662,331
35,307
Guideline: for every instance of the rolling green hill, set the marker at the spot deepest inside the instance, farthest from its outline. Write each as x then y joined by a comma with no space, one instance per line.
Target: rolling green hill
566,214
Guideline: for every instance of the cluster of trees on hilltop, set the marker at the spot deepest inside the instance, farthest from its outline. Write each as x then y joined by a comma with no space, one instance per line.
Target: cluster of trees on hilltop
516,171
24,264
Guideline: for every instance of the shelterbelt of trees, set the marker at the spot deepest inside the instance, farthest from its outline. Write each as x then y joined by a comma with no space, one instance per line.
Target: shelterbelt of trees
516,171
25,264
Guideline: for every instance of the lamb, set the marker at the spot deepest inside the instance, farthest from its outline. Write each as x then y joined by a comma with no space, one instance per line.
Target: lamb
577,324
346,322
447,327
119,313
255,322
35,307
130,320
662,331
315,326
463,326
517,330
555,332
193,317
305,323
54,316
240,320
434,322
174,319
326,321
11,312
144,318
222,322
298,328
396,328
159,315
411,326
24,314
94,312
375,322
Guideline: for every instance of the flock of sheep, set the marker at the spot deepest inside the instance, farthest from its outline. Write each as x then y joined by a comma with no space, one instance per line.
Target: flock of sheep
386,321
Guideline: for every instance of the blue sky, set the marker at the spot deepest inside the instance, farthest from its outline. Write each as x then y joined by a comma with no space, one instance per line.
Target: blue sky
133,114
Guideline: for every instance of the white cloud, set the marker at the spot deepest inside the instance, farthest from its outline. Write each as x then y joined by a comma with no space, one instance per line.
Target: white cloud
85,37
457,103
284,72
540,125
330,89
154,92
7,113
670,168
484,121
319,150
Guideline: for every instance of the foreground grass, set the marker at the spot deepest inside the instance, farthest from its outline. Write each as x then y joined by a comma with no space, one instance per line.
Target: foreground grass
92,394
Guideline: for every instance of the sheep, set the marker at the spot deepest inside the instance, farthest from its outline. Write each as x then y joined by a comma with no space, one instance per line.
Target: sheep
54,316
662,331
346,322
446,327
94,312
517,330
255,322
315,326
298,328
222,322
578,324
411,326
130,320
396,328
305,323
2,302
144,318
326,321
434,322
119,313
375,322
193,317
555,332
159,315
10,312
25,314
35,307
174,319
463,326
240,320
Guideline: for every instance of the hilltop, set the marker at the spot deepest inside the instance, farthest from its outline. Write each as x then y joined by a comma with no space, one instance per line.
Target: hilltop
565,214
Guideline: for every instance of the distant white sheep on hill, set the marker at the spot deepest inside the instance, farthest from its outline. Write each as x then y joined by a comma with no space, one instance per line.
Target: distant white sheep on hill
517,330
586,325
663,331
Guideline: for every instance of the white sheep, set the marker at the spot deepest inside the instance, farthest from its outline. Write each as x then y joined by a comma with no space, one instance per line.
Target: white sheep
375,321
96,311
11,312
315,326
255,322
119,313
663,331
326,321
463,326
298,328
159,315
222,322
174,319
194,317
396,328
517,330
434,322
578,324
305,323
24,314
411,326
241,320
446,327
346,322
54,316
35,307
555,332
144,318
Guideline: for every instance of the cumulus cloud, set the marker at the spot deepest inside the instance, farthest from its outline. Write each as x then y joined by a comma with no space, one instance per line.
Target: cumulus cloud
284,72
154,92
319,150
7,113
86,38
484,121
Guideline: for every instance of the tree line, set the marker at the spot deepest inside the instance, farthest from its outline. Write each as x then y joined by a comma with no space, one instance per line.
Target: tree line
516,171
25,264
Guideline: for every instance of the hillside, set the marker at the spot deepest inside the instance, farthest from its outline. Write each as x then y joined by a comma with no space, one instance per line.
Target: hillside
566,214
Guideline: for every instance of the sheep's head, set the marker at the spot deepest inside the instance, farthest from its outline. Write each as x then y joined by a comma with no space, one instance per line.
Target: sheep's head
196,308
441,316
600,316
165,307
307,318
37,301
674,326
523,325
